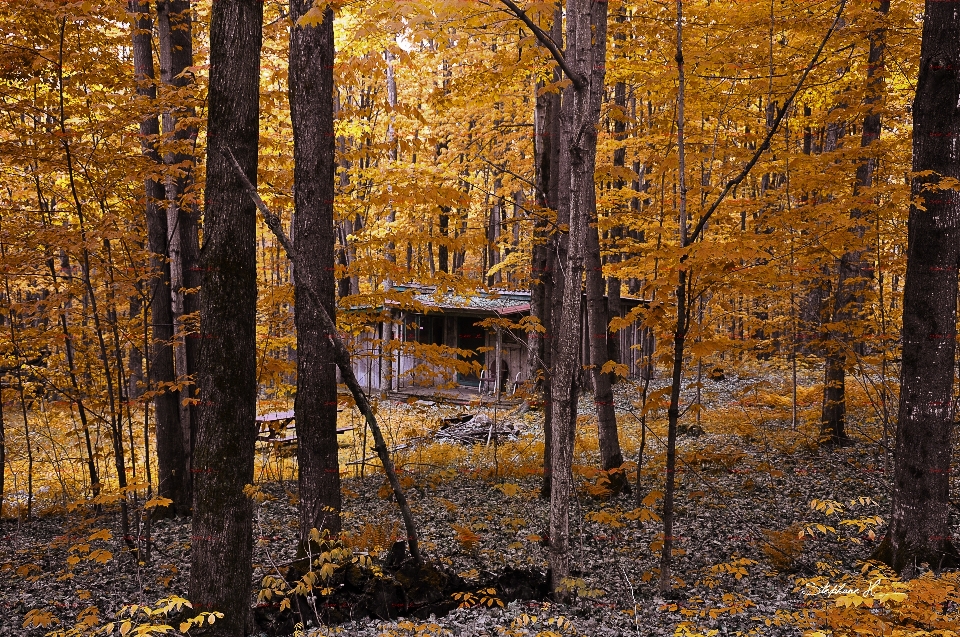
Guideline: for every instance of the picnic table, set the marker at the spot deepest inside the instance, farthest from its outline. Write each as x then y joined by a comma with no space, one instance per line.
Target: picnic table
278,426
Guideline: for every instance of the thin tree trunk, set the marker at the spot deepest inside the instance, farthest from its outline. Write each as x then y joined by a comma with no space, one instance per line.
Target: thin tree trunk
853,266
547,165
311,112
175,29
171,458
598,321
220,564
919,526
342,357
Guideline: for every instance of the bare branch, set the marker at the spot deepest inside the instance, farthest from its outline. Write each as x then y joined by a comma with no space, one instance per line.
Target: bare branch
546,41
773,129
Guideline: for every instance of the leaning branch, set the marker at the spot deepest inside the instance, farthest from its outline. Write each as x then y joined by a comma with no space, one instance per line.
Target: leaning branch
773,129
546,41
341,356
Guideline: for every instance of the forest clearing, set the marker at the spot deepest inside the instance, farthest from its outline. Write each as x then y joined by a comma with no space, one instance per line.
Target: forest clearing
479,317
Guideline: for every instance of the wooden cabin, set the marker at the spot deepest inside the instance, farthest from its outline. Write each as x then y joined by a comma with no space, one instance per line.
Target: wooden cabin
420,343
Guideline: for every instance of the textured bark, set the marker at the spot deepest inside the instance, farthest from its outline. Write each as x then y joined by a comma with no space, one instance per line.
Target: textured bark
176,57
580,113
171,458
547,163
311,112
853,266
598,321
3,453
342,358
680,331
919,529
220,568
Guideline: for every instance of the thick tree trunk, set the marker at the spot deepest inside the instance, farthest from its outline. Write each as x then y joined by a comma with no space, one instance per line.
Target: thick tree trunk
171,458
220,568
311,112
175,28
919,529
580,113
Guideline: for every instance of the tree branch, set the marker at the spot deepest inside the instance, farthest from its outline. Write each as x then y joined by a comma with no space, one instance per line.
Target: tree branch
341,355
773,129
546,41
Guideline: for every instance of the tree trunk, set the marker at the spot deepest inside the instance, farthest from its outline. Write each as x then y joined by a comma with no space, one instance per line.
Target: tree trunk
919,529
175,28
580,113
547,164
680,331
311,112
173,468
598,321
220,565
853,265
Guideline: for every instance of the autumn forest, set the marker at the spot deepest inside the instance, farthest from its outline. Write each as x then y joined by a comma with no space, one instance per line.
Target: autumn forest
479,317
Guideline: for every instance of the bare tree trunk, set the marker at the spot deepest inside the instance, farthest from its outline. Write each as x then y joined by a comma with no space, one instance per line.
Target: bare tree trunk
680,331
171,458
547,166
220,561
598,321
580,112
311,112
853,266
919,526
176,58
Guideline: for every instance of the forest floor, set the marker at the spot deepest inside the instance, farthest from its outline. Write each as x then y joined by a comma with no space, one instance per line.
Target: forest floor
740,494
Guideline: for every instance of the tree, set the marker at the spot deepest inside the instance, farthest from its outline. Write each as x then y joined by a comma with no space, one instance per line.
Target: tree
171,461
311,111
583,62
919,526
220,564
175,30
853,267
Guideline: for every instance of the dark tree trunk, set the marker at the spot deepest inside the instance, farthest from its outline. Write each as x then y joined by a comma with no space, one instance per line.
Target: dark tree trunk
580,112
443,259
311,112
171,458
852,266
3,453
598,322
919,528
547,164
220,565
175,28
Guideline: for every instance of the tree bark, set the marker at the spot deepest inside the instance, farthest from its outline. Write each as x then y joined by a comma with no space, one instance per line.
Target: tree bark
311,112
580,114
171,459
220,568
547,160
852,267
175,28
919,528
598,321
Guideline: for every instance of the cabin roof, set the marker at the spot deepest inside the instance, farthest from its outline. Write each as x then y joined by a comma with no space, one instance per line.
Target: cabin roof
499,302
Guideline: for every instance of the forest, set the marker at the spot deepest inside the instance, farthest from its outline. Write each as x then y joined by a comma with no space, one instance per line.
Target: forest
479,317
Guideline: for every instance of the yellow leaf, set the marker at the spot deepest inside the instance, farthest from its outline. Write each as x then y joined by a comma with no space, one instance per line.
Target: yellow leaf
125,628
157,502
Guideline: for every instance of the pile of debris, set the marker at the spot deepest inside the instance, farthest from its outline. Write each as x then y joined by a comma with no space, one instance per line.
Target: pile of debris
476,429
